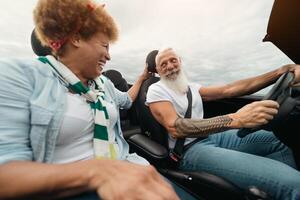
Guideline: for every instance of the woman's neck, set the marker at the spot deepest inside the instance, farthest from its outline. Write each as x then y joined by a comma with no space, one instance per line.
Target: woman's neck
73,66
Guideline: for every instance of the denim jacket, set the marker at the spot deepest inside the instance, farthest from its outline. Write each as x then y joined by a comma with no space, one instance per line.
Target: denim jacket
32,104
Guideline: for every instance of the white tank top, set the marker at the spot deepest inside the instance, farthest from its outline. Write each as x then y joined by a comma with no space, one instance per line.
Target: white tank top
160,92
75,139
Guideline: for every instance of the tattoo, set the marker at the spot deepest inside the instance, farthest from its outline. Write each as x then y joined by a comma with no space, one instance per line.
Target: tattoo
201,127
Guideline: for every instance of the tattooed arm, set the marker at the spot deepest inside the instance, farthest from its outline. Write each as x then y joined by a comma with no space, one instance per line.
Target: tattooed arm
202,127
251,115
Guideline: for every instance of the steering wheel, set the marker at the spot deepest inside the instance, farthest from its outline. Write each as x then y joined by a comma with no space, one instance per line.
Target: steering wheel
280,92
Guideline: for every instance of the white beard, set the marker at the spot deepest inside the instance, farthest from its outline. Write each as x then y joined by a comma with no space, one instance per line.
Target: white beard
177,83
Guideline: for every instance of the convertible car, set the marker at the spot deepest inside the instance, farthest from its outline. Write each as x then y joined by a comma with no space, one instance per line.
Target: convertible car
149,139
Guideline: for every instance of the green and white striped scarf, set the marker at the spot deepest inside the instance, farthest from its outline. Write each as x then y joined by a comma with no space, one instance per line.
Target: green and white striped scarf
94,94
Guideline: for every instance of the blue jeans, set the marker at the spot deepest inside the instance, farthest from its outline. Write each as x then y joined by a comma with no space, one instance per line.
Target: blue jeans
258,159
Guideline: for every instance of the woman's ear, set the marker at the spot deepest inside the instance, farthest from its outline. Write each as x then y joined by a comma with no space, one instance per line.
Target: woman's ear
75,40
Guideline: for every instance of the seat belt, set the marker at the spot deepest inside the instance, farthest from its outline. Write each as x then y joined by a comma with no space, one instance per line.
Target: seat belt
176,153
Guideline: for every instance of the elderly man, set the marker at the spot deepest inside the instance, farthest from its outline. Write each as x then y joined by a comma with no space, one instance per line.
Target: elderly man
258,159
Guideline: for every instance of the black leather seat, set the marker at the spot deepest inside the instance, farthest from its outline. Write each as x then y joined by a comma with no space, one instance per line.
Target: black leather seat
116,77
152,144
128,117
120,83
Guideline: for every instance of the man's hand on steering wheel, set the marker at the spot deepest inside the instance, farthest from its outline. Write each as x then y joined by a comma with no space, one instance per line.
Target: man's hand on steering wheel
281,93
296,70
296,81
255,114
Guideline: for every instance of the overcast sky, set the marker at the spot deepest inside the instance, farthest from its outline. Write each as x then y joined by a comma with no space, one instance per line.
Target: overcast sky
219,40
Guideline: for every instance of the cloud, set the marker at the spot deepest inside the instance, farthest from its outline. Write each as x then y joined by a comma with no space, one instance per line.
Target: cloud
223,38
218,36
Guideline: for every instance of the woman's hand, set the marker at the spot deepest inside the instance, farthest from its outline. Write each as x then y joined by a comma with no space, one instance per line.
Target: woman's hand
146,74
111,179
134,90
123,180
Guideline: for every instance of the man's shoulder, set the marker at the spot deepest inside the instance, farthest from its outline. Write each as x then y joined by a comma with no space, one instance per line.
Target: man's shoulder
156,86
158,92
194,85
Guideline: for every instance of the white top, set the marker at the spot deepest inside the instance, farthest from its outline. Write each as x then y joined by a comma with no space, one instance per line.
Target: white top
160,92
75,139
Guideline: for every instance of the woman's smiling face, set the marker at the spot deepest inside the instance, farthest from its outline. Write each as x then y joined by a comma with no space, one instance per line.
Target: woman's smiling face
95,53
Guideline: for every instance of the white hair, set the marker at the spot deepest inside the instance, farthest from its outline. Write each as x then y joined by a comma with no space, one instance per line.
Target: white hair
162,50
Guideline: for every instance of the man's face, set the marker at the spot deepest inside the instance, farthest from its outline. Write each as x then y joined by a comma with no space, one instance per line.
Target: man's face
168,64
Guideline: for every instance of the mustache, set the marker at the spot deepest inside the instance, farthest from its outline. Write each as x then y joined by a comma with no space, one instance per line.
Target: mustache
172,73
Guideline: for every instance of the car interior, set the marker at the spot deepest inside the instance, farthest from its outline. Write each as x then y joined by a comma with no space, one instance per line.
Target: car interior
152,141
148,138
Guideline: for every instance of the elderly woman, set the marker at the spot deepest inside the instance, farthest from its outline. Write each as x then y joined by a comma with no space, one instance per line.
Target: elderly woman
59,124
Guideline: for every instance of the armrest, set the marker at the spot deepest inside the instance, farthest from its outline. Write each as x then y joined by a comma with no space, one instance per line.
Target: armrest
209,186
148,148
200,184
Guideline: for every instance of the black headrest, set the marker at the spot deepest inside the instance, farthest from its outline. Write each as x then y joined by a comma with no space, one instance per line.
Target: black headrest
150,60
116,77
37,47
